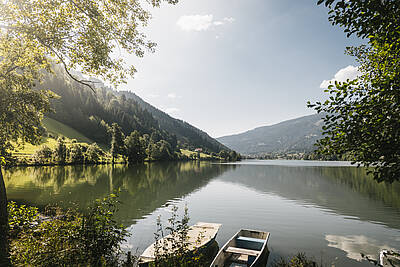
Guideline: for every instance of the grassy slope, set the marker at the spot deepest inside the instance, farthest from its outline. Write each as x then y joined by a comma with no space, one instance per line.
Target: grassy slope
57,128
30,149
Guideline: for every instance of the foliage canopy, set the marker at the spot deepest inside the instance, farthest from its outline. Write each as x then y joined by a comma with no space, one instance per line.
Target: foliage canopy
80,33
363,116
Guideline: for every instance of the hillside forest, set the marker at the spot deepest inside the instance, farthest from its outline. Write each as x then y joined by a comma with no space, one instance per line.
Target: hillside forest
121,123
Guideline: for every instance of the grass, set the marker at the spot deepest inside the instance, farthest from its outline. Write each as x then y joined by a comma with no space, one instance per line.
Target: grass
58,128
29,149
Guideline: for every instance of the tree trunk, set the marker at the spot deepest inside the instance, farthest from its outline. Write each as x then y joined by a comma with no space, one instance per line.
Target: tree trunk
3,223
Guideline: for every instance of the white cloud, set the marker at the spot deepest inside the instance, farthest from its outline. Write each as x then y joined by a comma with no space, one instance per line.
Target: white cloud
223,21
195,22
348,73
172,110
201,22
229,20
172,95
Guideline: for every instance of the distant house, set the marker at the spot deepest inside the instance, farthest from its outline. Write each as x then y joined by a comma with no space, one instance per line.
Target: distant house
198,150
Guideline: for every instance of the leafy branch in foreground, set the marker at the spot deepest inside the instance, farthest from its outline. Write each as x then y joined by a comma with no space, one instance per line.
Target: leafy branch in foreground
81,34
363,116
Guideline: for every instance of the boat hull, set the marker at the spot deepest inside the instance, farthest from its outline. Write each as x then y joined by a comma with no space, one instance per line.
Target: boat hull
245,248
201,237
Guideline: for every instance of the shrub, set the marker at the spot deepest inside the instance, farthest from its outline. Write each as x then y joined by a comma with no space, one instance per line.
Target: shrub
299,260
20,218
66,238
173,249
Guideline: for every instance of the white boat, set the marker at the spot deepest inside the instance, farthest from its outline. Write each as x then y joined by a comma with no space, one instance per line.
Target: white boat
200,235
247,248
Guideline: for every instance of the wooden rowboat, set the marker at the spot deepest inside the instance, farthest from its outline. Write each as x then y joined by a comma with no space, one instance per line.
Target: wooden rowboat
200,236
247,248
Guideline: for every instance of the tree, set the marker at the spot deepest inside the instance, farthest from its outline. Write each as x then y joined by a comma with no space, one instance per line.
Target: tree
233,156
43,155
135,150
363,116
81,33
223,154
117,141
165,150
61,150
76,154
75,33
93,153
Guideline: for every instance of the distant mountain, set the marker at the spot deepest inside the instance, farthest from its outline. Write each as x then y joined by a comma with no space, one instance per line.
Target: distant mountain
296,135
91,112
183,130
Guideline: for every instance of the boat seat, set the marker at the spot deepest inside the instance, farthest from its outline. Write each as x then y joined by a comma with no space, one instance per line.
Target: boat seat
249,243
236,264
252,239
243,251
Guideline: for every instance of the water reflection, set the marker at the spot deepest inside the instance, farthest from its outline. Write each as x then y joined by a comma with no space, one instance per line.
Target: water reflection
347,191
354,245
144,187
316,209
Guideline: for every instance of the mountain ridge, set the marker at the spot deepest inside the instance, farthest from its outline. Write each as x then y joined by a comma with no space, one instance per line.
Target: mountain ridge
168,122
294,135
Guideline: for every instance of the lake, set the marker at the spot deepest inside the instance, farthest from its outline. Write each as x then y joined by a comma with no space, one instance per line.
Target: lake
329,210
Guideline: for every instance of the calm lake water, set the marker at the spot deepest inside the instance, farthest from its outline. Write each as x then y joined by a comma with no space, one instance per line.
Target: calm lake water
329,210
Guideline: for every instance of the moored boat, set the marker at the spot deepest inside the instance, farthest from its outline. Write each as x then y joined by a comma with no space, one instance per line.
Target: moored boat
200,236
247,248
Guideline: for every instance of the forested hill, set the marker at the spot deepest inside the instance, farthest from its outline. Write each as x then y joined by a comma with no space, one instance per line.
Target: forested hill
91,113
292,136
183,130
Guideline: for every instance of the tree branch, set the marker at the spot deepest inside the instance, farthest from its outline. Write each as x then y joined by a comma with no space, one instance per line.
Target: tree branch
83,82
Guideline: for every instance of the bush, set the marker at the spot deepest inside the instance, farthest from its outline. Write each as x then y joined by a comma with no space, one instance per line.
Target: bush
66,238
299,260
20,218
172,250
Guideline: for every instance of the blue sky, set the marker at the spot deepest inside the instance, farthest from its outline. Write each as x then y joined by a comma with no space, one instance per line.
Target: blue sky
227,66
